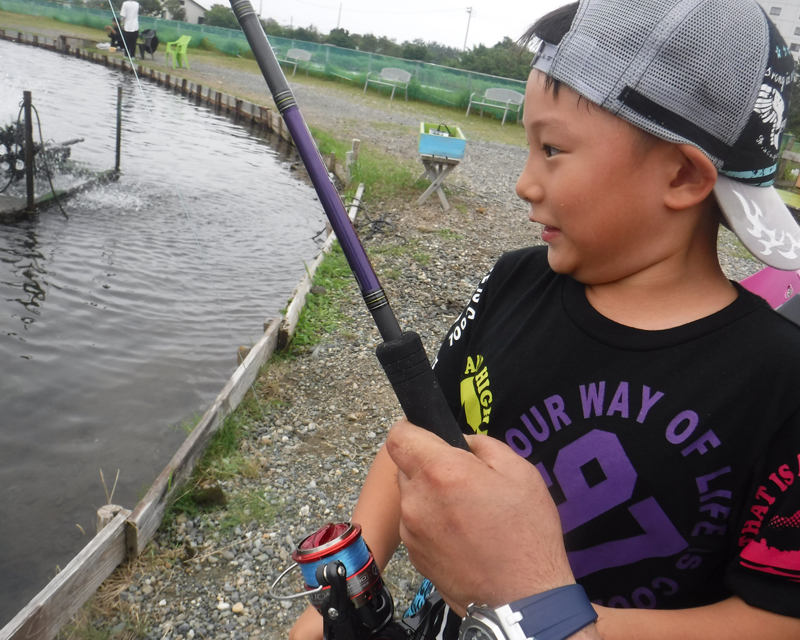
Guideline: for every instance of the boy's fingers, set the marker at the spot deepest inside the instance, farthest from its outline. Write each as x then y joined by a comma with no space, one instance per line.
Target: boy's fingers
495,454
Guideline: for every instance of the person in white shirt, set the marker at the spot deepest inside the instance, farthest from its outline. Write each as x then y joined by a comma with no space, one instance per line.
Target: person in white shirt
129,13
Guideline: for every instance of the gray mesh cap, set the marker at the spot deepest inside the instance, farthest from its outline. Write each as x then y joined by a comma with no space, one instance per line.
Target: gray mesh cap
712,73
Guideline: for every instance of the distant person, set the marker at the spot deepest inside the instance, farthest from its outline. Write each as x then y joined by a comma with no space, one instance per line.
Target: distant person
113,35
130,25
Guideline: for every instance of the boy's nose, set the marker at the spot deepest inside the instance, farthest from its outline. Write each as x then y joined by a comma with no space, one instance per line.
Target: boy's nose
528,188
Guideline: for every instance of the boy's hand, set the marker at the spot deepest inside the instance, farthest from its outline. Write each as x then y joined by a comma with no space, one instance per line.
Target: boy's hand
483,528
308,626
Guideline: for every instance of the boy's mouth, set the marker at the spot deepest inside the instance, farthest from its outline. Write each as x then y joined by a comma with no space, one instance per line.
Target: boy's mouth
549,233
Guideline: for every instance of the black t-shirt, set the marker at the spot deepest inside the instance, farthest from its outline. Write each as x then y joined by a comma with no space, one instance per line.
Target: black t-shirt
673,456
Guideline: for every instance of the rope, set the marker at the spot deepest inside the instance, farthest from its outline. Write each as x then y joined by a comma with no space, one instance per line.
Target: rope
373,226
44,161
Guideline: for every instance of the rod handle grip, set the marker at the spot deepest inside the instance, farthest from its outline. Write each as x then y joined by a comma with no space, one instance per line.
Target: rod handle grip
409,371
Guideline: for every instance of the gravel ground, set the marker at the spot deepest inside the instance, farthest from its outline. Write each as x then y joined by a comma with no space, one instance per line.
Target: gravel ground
326,412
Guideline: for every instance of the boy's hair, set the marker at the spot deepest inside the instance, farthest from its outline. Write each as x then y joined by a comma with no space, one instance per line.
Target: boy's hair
712,73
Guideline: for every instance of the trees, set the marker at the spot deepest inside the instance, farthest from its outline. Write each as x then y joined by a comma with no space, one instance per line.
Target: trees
150,7
221,16
175,9
416,50
506,59
340,38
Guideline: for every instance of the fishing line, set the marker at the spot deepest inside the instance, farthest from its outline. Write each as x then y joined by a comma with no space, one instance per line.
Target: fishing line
184,208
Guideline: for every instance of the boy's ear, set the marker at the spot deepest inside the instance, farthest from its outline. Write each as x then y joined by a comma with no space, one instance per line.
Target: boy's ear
693,177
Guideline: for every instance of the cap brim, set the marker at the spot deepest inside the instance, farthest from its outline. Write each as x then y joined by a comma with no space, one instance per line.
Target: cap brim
762,222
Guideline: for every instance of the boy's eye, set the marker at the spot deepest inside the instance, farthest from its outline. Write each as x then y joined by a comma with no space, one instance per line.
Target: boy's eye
550,151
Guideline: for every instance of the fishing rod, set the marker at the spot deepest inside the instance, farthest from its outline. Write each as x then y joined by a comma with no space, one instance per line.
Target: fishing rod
342,580
401,354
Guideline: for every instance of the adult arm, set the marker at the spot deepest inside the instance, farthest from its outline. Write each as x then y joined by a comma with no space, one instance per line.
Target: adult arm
483,528
378,513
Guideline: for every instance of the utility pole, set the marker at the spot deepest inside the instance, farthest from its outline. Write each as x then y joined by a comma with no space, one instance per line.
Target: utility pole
469,11
339,20
260,7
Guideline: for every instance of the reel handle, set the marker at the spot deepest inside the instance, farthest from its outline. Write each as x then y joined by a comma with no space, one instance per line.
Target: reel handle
406,365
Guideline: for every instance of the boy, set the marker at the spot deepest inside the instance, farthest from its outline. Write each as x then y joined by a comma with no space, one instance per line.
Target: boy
656,400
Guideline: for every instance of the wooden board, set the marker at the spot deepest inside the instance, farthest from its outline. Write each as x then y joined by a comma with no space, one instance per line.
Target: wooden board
67,592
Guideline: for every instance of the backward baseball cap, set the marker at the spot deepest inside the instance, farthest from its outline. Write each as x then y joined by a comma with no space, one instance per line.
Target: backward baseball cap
712,73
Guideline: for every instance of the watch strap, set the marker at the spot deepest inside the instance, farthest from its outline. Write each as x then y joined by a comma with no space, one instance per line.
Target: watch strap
554,614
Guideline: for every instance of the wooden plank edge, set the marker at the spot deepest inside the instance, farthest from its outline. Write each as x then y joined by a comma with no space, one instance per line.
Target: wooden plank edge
69,590
292,317
241,380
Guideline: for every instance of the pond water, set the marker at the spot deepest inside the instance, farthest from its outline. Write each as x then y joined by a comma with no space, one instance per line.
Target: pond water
122,321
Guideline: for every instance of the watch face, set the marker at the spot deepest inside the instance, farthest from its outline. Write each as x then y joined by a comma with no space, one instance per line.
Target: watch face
476,632
479,628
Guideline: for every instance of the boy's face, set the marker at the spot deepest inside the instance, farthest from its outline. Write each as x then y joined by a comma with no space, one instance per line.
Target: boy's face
593,185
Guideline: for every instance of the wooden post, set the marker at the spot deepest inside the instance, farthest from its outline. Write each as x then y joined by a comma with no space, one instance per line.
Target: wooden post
106,514
119,127
26,105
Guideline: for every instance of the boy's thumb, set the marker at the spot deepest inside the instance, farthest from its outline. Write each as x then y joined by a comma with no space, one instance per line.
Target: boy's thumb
498,455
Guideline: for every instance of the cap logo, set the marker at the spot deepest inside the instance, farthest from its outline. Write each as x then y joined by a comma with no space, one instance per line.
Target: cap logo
770,107
543,54
766,236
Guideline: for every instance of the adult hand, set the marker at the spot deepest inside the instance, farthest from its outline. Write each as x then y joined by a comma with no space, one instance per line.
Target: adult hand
483,528
308,626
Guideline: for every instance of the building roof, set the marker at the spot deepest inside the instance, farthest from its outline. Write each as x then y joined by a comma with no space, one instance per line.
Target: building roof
206,4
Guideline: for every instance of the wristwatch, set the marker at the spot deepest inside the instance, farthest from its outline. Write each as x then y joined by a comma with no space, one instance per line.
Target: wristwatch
551,615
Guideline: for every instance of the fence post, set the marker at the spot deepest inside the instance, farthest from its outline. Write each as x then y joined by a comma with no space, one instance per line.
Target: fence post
119,128
26,105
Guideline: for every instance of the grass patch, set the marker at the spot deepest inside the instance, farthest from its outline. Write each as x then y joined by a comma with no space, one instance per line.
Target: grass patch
395,249
243,508
327,143
422,259
223,459
30,24
322,312
448,234
384,176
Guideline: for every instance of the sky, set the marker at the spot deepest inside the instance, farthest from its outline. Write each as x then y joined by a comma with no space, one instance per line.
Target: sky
443,21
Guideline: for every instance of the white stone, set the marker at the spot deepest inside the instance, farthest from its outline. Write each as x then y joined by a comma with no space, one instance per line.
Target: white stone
223,606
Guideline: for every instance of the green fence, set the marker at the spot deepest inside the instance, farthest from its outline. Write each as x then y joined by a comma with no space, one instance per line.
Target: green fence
429,83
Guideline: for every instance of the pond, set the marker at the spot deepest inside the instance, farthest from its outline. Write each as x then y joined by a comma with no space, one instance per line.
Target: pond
122,322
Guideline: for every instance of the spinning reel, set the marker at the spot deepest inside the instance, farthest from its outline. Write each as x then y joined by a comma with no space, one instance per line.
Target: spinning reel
344,585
